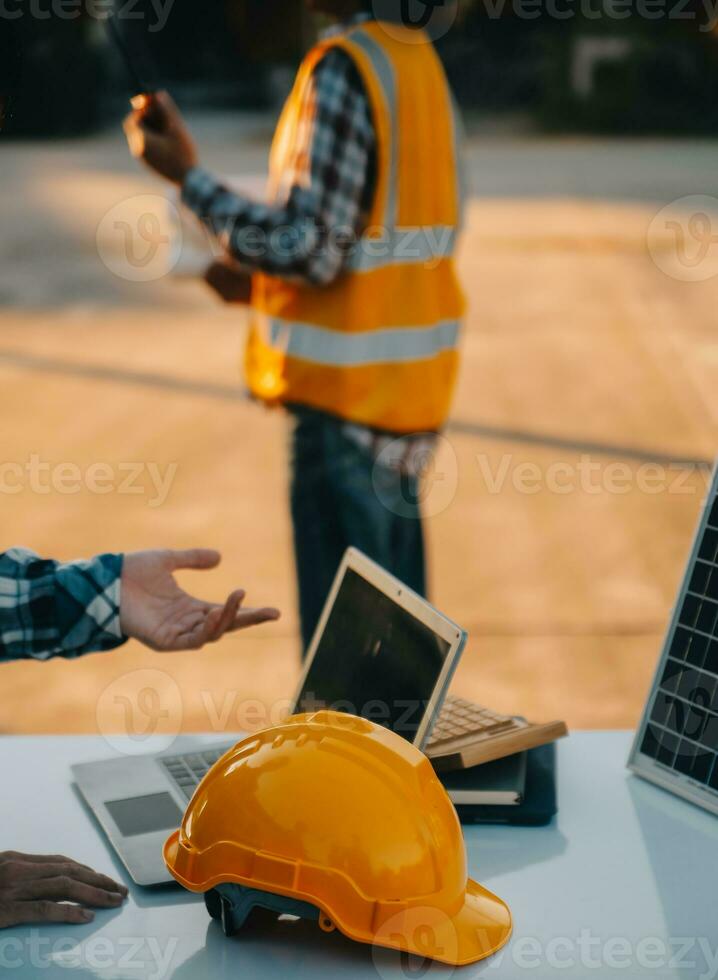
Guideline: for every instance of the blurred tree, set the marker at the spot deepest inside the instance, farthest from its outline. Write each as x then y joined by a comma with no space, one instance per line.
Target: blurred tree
662,81
54,70
661,77
9,72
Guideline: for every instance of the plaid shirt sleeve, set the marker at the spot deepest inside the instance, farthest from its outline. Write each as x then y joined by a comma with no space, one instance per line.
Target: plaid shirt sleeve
326,194
49,609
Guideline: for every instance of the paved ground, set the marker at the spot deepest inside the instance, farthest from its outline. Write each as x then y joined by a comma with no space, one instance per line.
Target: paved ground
580,351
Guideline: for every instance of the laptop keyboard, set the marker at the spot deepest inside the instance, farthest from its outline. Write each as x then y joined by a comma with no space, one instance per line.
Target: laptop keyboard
188,771
459,718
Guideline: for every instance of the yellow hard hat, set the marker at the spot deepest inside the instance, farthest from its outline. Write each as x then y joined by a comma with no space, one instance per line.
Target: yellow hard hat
334,814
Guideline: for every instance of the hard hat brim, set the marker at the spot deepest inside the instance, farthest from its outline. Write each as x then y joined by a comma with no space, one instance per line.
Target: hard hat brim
479,929
483,926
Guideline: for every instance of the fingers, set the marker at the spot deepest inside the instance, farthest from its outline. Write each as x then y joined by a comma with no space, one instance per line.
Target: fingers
198,558
135,135
66,889
220,620
150,115
156,111
27,913
140,102
232,618
91,878
215,623
226,616
198,635
40,859
36,888
18,870
254,617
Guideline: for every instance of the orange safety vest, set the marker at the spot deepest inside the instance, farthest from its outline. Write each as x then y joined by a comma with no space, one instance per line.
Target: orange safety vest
378,346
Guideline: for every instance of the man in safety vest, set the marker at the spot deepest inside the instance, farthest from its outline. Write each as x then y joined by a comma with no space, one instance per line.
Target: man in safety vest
354,295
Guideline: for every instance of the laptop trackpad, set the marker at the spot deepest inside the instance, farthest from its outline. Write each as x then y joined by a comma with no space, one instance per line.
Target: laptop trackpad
145,814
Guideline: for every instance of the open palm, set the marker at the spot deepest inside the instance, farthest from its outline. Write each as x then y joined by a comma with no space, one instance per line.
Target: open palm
156,611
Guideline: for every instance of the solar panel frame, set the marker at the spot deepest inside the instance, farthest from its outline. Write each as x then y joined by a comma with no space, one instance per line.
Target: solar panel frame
676,743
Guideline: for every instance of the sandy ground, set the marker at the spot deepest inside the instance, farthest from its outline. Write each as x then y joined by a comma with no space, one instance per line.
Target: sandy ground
565,494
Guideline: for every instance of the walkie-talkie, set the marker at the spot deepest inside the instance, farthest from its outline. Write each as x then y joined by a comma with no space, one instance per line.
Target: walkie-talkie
137,60
130,39
139,82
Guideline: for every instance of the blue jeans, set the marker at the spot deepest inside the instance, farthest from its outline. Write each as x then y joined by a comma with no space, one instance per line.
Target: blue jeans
341,497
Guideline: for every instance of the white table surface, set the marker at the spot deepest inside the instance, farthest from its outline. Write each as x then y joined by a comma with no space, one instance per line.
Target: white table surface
624,883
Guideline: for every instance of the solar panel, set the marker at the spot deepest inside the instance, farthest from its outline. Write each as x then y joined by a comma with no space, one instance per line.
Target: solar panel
676,744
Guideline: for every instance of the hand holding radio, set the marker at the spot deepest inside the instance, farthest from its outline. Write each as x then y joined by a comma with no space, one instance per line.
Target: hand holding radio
157,134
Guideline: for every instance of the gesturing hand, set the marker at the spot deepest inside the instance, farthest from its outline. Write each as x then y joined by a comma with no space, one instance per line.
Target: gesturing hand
156,611
36,889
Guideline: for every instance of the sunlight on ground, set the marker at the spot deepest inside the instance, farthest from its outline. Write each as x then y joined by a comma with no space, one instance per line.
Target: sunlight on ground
578,351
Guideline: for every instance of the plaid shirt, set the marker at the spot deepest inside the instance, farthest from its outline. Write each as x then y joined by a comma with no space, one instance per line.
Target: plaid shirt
330,188
48,609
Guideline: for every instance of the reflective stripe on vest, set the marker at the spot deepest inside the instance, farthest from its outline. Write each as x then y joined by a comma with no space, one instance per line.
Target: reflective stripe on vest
403,246
386,75
333,348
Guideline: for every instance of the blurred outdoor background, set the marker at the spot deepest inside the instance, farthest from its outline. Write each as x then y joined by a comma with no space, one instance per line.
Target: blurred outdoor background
566,492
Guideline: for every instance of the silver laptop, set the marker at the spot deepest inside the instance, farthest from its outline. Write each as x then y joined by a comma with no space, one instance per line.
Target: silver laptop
379,651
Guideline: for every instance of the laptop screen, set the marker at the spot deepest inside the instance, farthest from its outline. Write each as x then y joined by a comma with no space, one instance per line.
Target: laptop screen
375,660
